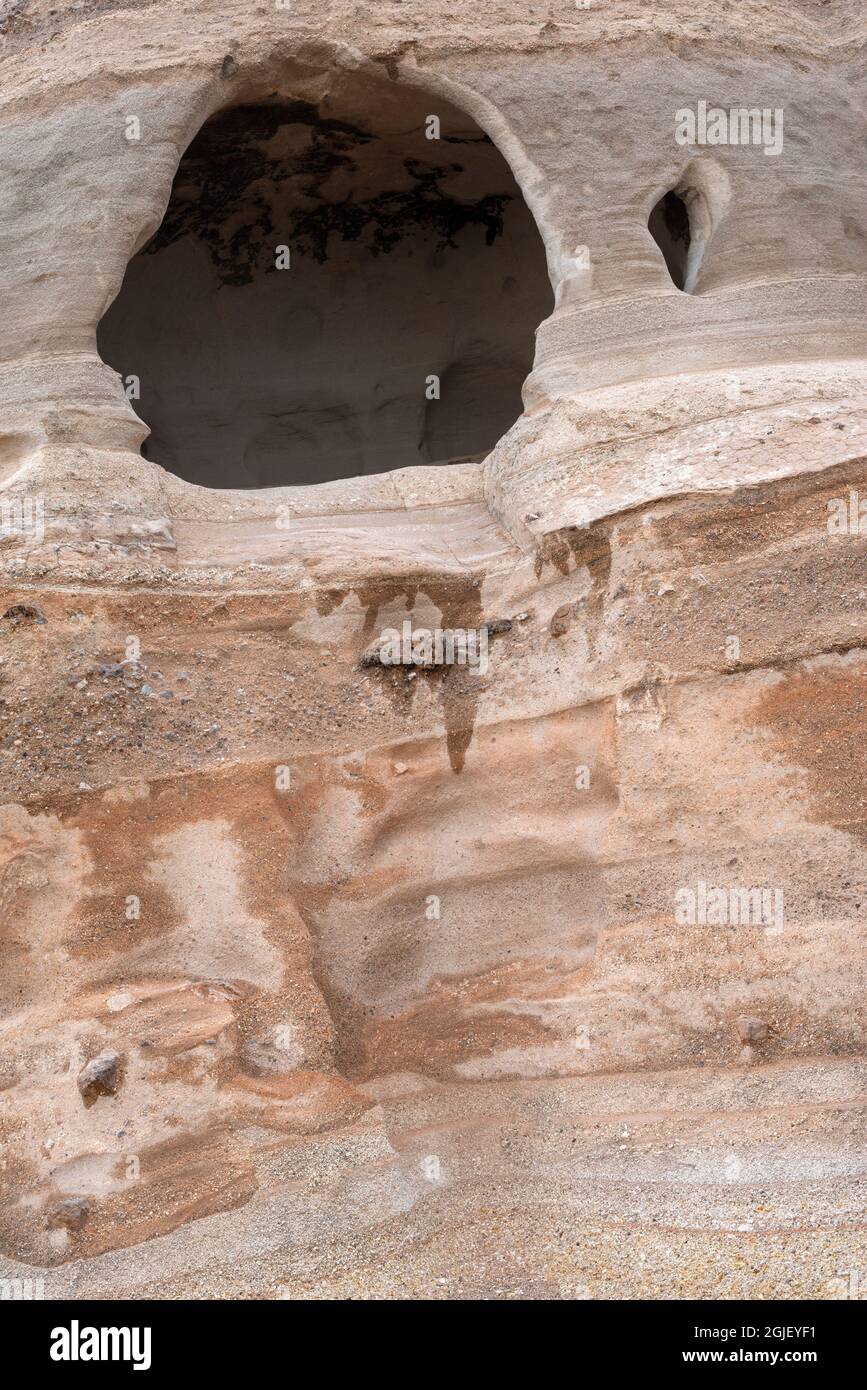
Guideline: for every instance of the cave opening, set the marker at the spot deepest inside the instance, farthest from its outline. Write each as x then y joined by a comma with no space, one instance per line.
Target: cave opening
336,289
669,225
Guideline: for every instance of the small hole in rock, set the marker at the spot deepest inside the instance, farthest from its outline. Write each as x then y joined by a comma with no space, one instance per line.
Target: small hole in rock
669,226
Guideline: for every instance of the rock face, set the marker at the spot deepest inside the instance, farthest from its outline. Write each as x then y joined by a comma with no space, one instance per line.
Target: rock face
540,974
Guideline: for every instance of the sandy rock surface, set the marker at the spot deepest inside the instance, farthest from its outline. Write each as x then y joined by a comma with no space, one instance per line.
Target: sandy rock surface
545,981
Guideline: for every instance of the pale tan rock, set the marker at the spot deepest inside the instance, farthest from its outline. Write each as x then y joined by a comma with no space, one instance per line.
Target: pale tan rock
100,1076
752,1030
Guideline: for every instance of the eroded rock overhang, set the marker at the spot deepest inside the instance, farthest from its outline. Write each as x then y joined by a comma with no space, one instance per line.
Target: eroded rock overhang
638,390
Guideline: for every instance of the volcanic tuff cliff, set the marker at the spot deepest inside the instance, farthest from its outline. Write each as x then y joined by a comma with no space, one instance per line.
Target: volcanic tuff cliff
321,978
